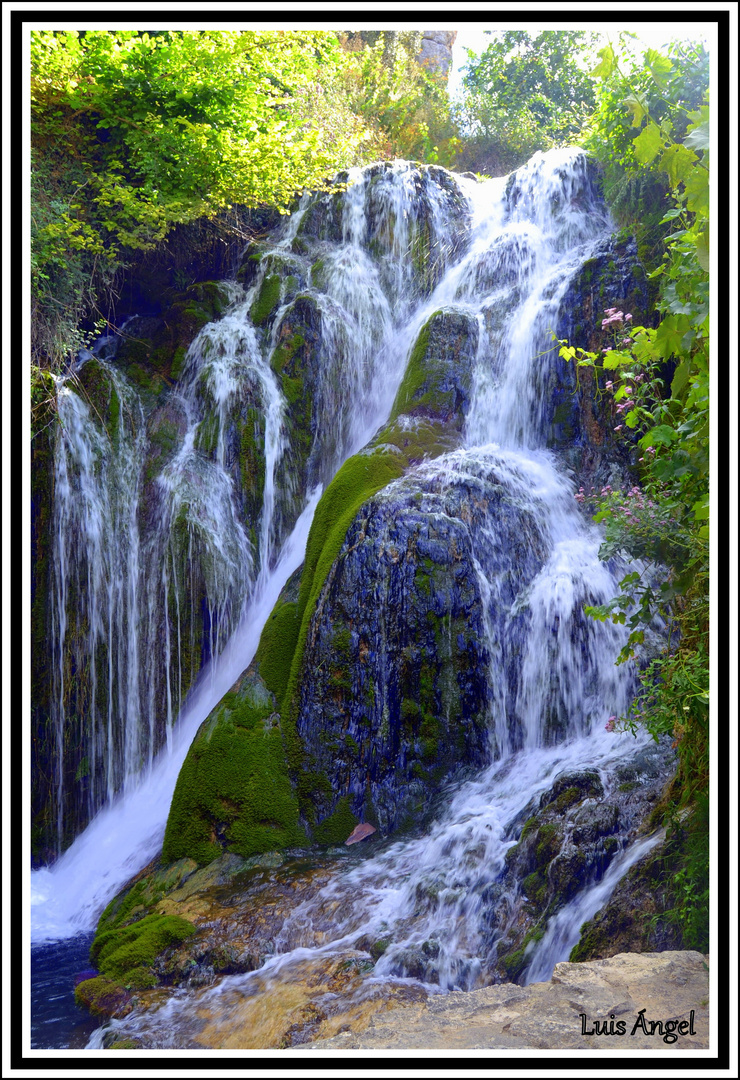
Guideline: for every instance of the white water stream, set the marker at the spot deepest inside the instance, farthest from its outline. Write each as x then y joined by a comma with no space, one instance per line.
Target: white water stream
527,241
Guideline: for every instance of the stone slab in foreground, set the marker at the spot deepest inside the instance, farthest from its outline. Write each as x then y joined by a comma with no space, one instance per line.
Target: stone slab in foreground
629,993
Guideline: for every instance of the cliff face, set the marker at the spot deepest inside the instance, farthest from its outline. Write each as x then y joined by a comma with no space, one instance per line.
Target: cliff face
436,50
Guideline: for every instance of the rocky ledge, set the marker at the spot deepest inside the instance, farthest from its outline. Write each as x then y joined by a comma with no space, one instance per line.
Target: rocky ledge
632,1001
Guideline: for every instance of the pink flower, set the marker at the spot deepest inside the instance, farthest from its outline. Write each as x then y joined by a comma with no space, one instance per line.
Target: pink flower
628,317
610,384
651,449
618,427
610,723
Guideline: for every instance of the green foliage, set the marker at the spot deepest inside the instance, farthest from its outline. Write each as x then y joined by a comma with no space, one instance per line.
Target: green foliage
524,93
404,106
652,124
135,132
640,130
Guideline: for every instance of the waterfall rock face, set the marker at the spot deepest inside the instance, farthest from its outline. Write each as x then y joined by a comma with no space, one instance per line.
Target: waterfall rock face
393,343
424,640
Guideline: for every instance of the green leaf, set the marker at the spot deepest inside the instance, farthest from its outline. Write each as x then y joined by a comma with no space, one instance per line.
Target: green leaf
698,138
701,509
697,192
637,108
680,378
658,65
678,162
669,334
663,434
702,249
648,143
607,65
615,359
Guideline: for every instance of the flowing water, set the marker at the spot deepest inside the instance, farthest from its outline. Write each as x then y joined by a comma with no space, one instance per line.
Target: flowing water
427,898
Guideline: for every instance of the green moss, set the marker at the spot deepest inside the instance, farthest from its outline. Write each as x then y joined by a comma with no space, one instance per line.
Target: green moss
358,480
549,839
267,299
337,827
103,997
534,887
379,947
140,978
426,389
121,906
515,962
233,792
164,439
128,949
178,362
276,647
567,798
252,456
284,353
410,713
206,438
415,378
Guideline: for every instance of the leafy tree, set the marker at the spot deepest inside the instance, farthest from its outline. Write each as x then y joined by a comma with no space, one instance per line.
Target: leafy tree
135,132
404,105
525,93
652,127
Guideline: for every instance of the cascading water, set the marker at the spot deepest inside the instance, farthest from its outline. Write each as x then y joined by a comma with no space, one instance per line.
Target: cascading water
552,675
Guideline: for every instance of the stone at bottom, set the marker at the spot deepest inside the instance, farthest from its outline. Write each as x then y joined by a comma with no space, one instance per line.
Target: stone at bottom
632,1001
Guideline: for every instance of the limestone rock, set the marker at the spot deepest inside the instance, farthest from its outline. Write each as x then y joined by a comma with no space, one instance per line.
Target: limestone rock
648,1001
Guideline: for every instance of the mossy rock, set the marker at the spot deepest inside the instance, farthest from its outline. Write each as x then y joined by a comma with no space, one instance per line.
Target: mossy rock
336,828
233,792
439,372
267,299
103,997
128,949
572,788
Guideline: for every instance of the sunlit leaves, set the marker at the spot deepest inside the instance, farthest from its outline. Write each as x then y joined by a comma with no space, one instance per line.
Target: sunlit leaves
648,143
607,64
638,108
698,137
659,66
697,192
677,161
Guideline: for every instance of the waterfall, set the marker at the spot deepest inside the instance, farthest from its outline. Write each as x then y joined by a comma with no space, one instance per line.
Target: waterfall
363,273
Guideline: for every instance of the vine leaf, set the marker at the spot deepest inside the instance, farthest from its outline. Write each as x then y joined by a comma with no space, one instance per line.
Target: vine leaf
648,143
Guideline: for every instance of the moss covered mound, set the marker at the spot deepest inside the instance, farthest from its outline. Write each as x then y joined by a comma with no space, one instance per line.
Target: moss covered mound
125,952
103,997
233,792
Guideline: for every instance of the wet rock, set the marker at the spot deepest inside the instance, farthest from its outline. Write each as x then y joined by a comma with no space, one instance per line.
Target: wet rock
579,825
439,373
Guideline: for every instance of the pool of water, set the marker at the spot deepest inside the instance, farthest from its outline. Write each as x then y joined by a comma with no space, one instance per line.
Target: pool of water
57,1023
